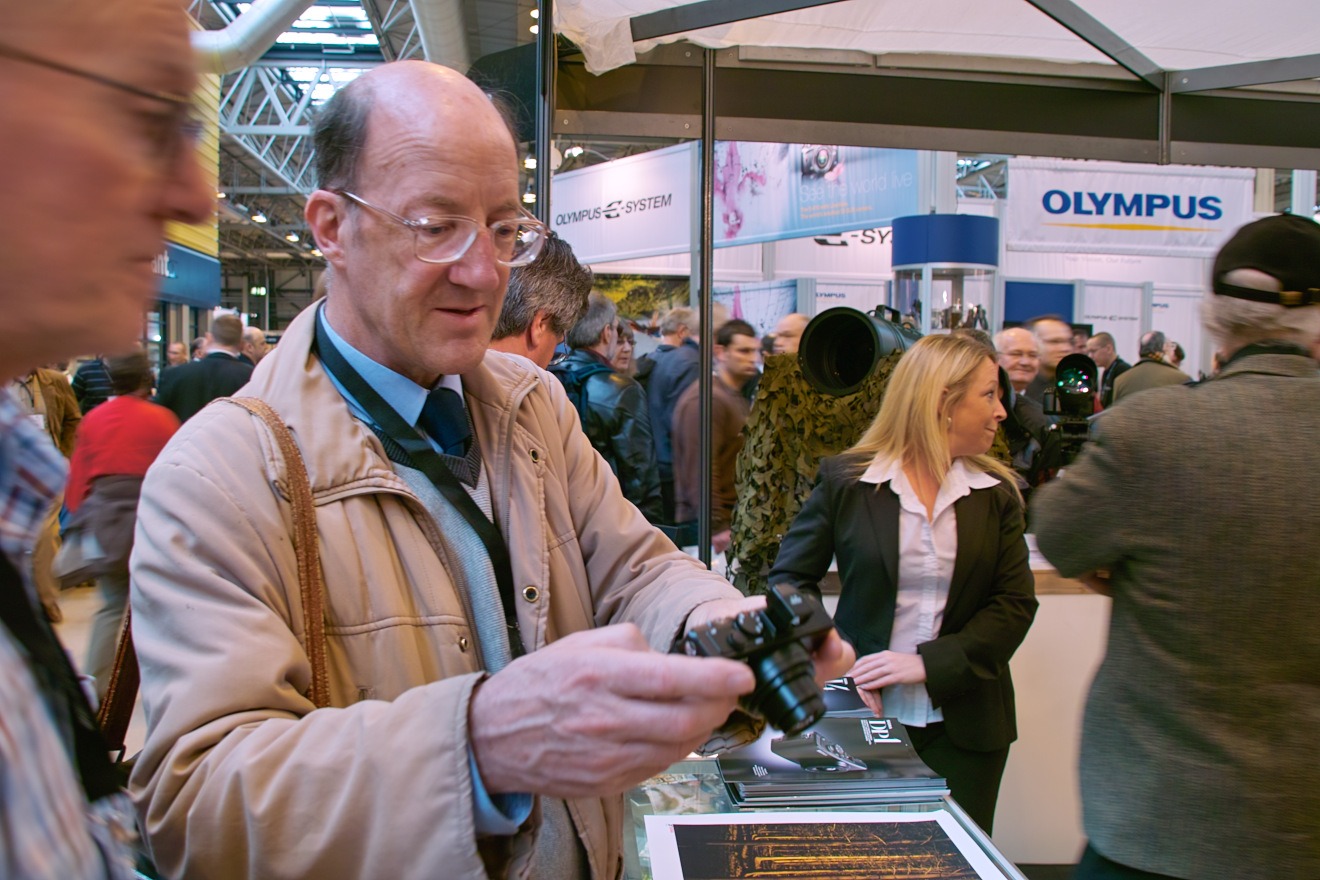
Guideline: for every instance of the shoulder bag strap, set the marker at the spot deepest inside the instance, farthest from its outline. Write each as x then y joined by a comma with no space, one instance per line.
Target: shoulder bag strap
116,710
58,683
311,580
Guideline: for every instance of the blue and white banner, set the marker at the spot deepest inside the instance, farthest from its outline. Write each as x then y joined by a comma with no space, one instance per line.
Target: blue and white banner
768,192
1082,206
641,206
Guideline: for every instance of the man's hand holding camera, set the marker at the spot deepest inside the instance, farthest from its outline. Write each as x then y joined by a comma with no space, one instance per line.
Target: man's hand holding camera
598,712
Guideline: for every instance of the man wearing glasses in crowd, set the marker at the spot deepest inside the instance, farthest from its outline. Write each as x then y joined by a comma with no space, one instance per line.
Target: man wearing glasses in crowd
98,154
477,722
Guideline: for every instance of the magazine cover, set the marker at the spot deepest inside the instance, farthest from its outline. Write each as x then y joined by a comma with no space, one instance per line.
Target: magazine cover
832,760
842,699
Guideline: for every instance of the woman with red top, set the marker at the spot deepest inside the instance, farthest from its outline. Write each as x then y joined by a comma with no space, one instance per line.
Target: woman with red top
117,442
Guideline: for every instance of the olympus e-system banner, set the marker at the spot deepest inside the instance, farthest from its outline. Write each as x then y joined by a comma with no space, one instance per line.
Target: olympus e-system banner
1082,206
642,205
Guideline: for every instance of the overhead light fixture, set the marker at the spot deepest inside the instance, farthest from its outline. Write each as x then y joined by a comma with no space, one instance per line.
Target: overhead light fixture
536,13
221,194
535,29
258,217
573,152
530,163
292,236
316,252
529,198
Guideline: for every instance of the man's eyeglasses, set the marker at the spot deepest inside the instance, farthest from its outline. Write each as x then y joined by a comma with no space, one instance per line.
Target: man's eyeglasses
517,242
166,132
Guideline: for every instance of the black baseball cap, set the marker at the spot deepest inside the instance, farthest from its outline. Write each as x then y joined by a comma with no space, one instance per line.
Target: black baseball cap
1285,247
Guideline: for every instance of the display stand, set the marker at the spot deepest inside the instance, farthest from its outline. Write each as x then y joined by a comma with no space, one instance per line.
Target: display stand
695,788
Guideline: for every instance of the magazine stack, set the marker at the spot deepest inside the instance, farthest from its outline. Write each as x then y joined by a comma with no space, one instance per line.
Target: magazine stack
839,761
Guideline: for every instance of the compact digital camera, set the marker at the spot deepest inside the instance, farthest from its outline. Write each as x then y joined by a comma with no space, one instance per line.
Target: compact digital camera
777,643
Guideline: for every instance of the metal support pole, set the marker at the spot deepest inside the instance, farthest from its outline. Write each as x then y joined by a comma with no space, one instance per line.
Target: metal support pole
1166,122
706,279
547,62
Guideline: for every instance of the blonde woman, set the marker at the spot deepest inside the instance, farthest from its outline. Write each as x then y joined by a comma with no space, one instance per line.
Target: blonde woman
936,590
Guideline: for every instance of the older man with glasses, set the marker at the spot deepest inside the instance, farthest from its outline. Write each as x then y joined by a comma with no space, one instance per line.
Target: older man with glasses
94,109
470,719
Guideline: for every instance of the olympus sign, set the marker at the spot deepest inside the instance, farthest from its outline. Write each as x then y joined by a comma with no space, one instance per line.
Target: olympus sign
1116,204
615,209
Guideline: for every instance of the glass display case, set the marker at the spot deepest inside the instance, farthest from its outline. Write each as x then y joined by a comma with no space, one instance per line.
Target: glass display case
945,269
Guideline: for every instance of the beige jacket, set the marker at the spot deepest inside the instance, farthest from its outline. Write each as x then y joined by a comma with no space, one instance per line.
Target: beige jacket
239,776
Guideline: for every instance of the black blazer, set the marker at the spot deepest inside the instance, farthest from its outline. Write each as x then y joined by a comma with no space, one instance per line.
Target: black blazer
991,604
187,388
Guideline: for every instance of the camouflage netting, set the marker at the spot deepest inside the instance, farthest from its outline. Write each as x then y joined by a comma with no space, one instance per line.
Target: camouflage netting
791,428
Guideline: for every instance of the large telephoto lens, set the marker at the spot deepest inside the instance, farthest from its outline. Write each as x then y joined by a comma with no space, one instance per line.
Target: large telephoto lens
841,346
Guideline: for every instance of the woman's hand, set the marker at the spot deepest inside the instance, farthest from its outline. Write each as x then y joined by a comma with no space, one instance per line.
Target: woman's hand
875,671
871,699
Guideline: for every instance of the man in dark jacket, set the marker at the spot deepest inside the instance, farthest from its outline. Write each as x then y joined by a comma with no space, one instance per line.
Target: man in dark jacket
612,407
736,347
187,388
673,366
1100,348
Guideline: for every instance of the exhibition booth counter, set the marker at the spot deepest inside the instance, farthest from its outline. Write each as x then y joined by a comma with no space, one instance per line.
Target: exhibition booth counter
682,825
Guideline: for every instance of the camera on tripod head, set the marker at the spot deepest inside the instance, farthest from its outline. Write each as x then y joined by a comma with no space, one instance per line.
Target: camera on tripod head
1072,401
777,643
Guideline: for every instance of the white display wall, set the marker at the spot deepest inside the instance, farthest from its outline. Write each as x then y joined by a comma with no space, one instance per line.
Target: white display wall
1124,286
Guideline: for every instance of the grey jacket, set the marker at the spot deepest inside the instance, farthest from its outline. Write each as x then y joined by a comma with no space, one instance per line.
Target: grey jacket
1199,745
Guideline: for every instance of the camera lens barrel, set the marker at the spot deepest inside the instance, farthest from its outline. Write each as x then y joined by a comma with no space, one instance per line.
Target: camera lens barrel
840,348
786,693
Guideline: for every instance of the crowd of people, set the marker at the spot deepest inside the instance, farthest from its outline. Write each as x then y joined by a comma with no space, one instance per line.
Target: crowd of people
461,659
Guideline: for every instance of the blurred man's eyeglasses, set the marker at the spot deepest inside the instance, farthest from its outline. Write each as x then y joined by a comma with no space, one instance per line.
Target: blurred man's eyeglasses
517,242
166,132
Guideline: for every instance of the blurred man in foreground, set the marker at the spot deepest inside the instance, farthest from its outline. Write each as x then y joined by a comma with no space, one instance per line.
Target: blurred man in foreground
1198,748
98,151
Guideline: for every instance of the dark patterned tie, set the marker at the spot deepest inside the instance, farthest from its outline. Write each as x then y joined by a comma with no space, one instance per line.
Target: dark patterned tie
445,421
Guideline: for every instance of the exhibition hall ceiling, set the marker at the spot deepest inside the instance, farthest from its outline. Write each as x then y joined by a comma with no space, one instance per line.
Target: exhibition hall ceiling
1118,79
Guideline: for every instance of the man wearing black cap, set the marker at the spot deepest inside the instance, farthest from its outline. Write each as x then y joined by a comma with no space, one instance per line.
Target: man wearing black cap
1198,748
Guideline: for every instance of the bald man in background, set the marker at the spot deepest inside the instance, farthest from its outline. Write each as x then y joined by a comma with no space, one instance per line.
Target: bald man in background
788,332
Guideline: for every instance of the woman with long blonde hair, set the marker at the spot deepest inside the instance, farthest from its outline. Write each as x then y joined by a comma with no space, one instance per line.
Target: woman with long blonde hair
936,590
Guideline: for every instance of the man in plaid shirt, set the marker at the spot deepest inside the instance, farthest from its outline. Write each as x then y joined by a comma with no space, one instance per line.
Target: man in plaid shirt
95,112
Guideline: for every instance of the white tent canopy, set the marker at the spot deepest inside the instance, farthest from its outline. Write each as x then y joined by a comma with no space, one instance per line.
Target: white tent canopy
1172,81
1174,34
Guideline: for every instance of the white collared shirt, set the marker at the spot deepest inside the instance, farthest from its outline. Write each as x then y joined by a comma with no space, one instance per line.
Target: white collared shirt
927,548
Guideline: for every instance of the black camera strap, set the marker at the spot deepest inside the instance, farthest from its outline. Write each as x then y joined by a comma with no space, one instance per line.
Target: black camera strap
423,457
59,686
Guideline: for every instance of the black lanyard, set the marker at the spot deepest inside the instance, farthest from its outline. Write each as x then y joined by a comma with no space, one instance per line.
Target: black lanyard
58,685
423,457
